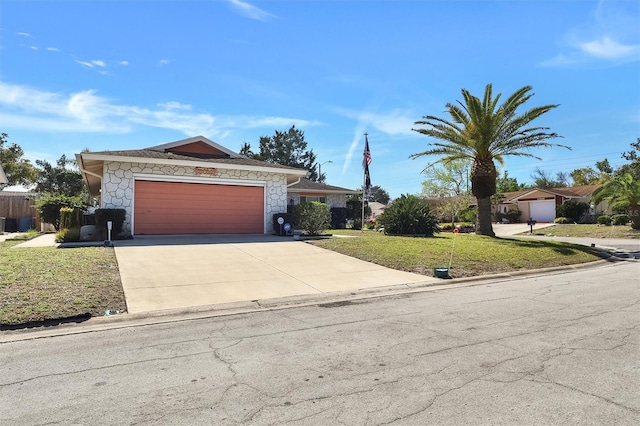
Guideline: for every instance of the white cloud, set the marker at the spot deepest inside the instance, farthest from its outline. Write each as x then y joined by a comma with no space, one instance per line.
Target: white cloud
85,111
394,122
608,48
99,63
124,63
53,49
33,47
164,61
250,11
23,34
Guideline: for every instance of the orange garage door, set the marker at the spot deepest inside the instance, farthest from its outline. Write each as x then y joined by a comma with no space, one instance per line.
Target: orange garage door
192,208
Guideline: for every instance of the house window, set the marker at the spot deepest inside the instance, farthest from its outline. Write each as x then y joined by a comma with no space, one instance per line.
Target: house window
307,199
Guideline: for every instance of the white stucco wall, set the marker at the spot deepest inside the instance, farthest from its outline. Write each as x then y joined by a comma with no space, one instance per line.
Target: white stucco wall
118,185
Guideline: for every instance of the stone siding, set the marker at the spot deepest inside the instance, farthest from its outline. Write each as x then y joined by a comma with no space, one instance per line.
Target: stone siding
118,181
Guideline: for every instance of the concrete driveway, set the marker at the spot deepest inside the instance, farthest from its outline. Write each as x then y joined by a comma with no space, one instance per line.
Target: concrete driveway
172,272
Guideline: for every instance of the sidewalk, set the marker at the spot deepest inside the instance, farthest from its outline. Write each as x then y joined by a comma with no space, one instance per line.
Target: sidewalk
45,240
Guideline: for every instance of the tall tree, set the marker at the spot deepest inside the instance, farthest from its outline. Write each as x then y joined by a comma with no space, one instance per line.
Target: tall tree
378,194
19,170
62,179
544,180
633,156
482,131
449,180
591,176
623,192
504,183
285,148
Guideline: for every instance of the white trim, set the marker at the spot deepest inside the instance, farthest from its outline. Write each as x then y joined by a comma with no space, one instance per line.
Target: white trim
320,191
199,180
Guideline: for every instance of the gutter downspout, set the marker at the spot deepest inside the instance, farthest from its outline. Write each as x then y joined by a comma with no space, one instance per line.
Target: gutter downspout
294,183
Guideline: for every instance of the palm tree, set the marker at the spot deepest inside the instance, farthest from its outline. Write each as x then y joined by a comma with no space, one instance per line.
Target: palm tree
482,131
623,193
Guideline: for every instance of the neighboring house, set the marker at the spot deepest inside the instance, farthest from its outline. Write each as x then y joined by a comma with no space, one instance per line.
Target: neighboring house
305,190
540,204
376,208
195,186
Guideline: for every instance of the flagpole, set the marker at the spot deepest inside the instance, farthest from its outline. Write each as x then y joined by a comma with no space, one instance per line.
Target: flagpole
364,188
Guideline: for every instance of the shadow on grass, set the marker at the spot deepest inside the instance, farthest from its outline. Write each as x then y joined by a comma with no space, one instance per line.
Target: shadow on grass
46,323
566,249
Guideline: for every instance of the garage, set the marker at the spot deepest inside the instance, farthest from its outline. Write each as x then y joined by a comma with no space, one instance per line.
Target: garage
543,210
197,208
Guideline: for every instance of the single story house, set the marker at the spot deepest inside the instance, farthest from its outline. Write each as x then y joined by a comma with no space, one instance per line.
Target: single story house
196,186
540,204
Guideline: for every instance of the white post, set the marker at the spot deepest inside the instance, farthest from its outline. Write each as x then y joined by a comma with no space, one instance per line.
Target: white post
109,227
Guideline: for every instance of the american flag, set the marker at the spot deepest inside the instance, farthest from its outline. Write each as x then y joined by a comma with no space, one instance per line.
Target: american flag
366,160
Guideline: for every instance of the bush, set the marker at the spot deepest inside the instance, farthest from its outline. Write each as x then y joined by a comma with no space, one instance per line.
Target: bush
572,210
67,235
70,217
313,217
620,219
561,220
604,220
116,216
338,217
354,212
49,206
464,227
408,215
470,214
512,215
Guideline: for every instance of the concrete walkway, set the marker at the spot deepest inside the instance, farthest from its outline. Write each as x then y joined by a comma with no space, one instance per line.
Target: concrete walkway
172,272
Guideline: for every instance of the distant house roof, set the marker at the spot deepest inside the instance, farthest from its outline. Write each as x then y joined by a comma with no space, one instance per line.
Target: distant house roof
306,185
583,191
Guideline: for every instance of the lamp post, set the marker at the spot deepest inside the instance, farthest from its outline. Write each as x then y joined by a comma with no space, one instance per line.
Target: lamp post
320,169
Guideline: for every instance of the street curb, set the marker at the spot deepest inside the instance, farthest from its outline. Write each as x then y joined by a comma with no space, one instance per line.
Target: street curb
126,320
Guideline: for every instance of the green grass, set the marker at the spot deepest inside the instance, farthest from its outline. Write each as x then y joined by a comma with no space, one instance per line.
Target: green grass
590,231
29,235
46,283
473,255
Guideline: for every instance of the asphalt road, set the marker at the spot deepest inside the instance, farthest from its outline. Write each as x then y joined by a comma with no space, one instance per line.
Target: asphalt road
554,349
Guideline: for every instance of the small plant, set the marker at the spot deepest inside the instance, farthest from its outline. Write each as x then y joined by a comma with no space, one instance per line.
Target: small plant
408,215
620,219
49,207
67,235
70,217
512,215
604,220
561,220
313,217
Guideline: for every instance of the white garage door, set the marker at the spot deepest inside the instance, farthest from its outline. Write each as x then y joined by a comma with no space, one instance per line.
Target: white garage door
543,211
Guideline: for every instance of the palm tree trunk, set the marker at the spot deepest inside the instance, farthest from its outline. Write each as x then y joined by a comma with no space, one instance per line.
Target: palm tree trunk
634,213
484,217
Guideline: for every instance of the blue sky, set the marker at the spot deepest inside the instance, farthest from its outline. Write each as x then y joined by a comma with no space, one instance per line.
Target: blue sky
131,74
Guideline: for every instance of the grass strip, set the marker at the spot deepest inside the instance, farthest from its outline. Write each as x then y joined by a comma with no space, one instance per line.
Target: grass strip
48,283
473,255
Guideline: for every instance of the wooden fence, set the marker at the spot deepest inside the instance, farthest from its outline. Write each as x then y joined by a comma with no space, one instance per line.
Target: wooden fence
19,208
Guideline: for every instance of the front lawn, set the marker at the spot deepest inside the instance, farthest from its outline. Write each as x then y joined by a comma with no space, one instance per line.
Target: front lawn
47,283
590,231
473,254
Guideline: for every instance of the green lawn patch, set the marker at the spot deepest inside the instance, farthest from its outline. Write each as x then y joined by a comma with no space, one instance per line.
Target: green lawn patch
47,283
473,255
589,231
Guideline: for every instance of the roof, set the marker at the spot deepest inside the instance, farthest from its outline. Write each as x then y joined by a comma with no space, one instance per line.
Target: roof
197,151
583,191
306,185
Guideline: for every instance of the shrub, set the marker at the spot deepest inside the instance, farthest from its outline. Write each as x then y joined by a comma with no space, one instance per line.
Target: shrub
572,210
354,212
470,214
512,215
70,217
561,220
338,217
408,215
604,220
67,235
116,216
620,219
313,217
49,206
